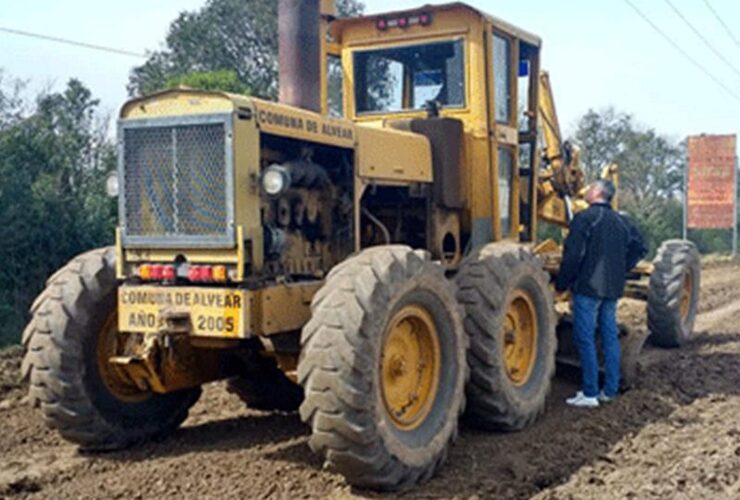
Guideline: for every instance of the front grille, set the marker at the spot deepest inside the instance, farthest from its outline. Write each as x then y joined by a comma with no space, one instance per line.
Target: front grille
176,184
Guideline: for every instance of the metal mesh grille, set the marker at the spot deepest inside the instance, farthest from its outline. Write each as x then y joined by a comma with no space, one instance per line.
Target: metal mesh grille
175,181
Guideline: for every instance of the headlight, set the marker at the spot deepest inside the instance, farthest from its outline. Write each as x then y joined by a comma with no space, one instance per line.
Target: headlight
275,180
111,184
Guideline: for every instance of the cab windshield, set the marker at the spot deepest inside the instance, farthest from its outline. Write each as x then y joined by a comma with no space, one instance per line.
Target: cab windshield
407,78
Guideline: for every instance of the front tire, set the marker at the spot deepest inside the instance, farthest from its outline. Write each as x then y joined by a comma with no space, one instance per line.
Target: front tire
72,333
673,294
510,318
383,368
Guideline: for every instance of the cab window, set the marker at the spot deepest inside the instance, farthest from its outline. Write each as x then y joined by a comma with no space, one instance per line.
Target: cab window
407,78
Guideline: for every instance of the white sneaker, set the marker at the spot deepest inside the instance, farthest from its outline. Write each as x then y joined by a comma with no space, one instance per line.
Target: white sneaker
603,398
582,401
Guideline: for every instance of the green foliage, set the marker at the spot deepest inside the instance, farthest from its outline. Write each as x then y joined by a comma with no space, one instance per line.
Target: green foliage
223,80
53,159
233,35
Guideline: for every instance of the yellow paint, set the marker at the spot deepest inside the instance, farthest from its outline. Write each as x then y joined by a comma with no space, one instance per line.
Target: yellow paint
247,197
181,102
393,155
113,380
410,367
283,308
287,121
218,312
119,255
520,337
214,312
193,255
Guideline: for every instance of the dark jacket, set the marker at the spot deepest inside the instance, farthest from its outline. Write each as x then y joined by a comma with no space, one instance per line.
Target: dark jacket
601,247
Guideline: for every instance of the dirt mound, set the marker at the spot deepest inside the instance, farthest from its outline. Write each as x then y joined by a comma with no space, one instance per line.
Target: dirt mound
676,434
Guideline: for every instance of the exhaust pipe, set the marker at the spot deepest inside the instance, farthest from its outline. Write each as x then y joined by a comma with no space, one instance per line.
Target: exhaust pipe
299,53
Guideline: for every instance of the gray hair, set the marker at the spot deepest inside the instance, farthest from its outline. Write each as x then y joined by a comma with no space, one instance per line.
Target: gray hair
607,188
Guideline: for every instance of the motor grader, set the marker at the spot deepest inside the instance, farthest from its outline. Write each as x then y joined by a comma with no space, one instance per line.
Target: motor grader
364,251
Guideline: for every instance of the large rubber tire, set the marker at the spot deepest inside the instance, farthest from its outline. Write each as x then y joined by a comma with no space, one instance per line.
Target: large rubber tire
675,262
265,387
489,281
61,363
342,359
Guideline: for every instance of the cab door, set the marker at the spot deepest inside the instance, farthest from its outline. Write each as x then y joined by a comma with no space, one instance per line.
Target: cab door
504,135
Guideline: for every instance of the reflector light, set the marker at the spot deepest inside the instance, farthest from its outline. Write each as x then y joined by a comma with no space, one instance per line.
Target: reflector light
145,272
206,273
200,273
219,273
168,273
424,19
156,272
194,273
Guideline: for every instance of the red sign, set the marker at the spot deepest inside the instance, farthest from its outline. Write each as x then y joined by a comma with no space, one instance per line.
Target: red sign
711,181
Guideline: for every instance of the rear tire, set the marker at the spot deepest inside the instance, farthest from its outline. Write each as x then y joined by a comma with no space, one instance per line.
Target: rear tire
383,368
67,341
673,294
510,319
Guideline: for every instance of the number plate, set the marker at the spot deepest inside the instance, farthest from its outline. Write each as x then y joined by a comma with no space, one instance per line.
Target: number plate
214,312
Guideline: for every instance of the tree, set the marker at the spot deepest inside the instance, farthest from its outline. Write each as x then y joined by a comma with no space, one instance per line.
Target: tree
232,35
651,169
54,156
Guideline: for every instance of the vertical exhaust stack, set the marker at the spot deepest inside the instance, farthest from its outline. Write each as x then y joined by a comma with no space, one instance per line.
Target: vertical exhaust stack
299,53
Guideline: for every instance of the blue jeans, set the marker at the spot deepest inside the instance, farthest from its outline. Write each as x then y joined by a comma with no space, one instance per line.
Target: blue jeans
587,312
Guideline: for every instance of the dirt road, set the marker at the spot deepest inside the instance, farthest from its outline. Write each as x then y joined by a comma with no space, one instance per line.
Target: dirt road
677,434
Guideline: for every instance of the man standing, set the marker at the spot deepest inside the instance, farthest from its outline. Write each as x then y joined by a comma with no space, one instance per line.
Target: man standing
601,247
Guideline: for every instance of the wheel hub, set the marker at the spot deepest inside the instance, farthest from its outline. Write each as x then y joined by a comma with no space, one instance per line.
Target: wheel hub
409,367
520,338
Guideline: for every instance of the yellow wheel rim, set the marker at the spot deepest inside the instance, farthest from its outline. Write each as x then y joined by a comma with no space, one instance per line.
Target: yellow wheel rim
410,365
114,381
686,294
520,338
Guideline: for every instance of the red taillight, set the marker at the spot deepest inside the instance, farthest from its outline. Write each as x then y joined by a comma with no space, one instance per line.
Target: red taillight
206,273
425,19
156,272
194,273
168,273
200,273
382,24
403,22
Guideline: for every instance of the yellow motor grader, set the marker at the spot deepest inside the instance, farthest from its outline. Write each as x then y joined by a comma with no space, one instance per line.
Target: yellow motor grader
363,251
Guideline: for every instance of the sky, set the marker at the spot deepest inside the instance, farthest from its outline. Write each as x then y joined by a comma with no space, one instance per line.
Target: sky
599,53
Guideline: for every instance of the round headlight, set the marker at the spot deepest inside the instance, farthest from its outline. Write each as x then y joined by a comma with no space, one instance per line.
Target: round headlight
111,184
275,180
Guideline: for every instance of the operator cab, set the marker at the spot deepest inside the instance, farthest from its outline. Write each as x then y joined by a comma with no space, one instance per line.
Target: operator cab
458,63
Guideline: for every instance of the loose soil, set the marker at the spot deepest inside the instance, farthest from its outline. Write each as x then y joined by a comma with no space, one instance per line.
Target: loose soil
675,435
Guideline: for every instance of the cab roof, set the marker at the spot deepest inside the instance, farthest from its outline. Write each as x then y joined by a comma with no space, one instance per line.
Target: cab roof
508,27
